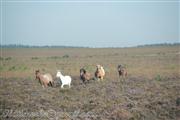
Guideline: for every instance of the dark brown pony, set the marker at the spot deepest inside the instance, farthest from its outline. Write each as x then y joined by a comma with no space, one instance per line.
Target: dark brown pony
84,76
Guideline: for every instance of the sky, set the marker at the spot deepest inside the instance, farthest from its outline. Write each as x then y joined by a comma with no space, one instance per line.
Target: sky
89,24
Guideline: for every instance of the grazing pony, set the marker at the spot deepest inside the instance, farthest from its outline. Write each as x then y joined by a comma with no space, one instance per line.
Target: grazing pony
100,73
84,76
122,71
44,79
65,80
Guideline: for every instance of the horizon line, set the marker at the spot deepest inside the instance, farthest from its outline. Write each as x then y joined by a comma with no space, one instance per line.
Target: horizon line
71,46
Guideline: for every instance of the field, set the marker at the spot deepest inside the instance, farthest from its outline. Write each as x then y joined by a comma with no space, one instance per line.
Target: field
150,92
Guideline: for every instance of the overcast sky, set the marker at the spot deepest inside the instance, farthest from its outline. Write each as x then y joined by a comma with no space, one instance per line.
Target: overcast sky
93,24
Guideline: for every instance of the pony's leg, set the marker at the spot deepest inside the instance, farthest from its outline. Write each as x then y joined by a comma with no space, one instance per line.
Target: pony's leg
83,80
51,84
119,78
62,86
124,77
69,85
46,84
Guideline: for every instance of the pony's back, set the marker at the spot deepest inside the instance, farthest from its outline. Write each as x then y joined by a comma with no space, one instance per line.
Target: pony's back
48,77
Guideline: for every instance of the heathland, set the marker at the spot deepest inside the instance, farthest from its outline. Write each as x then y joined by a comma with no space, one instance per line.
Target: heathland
150,91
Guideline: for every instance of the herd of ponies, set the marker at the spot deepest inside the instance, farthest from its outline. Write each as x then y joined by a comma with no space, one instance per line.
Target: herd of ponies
47,80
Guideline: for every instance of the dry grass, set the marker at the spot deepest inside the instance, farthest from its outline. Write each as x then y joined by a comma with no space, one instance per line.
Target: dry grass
150,92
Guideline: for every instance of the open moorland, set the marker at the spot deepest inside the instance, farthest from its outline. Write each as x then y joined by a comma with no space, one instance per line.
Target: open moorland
151,91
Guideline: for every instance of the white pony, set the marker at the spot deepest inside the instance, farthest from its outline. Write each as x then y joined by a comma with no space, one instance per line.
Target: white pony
65,80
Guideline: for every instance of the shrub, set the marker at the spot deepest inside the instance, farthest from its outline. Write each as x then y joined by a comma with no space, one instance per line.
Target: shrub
22,68
1,68
158,78
89,68
66,56
34,58
1,58
55,57
25,68
8,58
12,68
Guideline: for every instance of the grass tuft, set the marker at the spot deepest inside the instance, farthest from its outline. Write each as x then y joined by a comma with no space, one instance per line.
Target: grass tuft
8,58
158,78
13,68
1,58
34,58
66,56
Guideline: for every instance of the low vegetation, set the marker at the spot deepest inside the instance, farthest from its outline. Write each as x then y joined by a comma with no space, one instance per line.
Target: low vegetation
34,58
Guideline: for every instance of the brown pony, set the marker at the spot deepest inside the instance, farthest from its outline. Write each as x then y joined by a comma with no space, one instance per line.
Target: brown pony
100,73
45,80
122,71
84,76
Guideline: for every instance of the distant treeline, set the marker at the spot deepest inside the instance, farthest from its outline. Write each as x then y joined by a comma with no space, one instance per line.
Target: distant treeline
160,44
34,46
48,46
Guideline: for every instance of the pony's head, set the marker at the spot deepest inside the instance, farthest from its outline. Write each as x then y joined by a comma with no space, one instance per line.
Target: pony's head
82,71
58,73
98,66
121,67
37,73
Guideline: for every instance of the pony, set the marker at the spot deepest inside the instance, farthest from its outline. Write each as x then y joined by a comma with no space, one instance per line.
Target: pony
84,76
122,71
99,73
65,80
44,79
